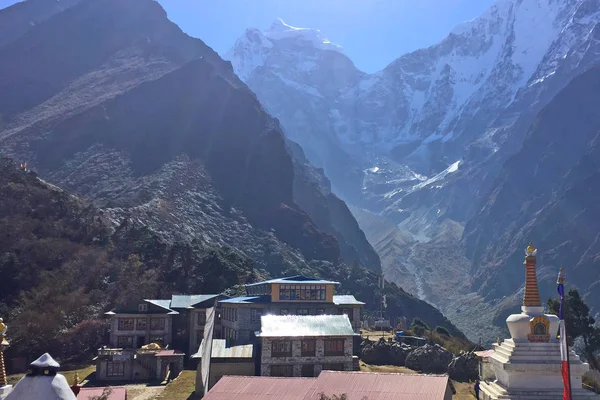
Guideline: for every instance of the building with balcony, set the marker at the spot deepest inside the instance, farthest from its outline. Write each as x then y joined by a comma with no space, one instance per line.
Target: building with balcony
296,295
304,345
139,323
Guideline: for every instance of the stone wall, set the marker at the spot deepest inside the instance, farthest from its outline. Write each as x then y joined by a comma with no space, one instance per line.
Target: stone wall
297,360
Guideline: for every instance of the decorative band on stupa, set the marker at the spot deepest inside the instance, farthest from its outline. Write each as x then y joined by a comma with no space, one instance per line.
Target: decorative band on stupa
532,293
3,344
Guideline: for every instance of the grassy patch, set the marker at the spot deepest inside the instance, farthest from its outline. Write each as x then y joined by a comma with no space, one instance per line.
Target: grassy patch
69,374
181,388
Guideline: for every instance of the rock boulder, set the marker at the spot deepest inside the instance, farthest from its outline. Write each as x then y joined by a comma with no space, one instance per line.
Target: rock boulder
429,359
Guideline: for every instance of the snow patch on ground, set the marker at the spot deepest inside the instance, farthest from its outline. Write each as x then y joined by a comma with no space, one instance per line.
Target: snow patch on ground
452,168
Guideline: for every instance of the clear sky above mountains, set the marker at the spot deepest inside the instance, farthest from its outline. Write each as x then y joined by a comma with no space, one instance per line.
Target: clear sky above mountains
372,32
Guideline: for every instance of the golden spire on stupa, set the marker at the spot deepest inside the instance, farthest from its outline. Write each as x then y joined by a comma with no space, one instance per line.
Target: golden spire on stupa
531,296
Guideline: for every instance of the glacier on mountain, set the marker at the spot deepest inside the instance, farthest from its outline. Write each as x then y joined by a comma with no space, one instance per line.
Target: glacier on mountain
428,108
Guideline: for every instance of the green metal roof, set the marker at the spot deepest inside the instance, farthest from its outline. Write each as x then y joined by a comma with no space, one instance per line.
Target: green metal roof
305,325
190,300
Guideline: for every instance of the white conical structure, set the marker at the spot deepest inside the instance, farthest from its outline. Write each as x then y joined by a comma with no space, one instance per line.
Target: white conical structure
528,365
43,382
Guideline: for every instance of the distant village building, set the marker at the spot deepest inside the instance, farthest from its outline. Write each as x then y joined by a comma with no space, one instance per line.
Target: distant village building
296,295
355,385
304,345
227,359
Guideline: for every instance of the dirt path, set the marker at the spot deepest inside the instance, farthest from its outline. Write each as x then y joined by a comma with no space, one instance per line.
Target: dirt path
143,392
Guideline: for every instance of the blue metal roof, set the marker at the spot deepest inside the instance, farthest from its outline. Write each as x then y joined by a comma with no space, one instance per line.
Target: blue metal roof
297,279
346,299
247,300
190,300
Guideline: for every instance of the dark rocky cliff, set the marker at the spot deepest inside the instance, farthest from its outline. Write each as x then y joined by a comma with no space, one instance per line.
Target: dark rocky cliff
546,193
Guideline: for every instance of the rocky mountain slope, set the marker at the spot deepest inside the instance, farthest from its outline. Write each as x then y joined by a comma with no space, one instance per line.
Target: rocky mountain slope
126,115
173,159
422,141
546,191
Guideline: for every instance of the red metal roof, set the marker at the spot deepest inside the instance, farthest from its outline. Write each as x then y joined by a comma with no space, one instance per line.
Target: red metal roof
117,393
356,385
380,386
259,388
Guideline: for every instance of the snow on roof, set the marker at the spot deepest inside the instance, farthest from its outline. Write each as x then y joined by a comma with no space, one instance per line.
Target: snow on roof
346,299
305,325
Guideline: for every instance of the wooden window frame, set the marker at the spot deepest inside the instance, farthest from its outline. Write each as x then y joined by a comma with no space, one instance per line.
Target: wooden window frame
276,345
289,370
161,322
110,369
122,322
338,343
308,348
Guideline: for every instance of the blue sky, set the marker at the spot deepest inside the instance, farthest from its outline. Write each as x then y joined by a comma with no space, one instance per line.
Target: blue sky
372,32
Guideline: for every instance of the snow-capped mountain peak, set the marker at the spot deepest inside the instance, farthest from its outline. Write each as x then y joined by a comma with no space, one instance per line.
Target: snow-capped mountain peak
279,30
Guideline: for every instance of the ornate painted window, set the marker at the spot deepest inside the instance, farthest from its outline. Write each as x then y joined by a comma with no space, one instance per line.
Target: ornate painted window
126,324
157,324
140,324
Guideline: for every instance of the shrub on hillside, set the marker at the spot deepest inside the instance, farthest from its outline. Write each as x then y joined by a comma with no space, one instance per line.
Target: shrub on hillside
442,331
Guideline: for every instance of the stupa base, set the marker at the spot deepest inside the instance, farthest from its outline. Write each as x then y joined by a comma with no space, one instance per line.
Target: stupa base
494,391
4,391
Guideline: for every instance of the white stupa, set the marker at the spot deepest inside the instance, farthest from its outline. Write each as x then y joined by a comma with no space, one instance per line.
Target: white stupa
43,382
528,365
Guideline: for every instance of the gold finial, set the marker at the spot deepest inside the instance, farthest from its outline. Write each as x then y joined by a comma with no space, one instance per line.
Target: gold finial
3,328
530,250
499,341
561,276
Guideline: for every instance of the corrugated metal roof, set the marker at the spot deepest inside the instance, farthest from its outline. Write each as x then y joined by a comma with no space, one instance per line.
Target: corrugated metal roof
356,386
297,279
379,386
189,300
346,299
117,393
259,388
247,300
163,304
220,349
305,325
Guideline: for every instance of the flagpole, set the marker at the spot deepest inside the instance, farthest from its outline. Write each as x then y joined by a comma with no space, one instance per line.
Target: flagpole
563,336
568,360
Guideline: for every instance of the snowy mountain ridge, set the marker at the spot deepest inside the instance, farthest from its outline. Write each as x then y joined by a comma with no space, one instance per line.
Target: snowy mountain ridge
426,107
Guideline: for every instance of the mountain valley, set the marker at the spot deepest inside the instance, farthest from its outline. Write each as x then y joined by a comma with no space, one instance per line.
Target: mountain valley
150,134
422,148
